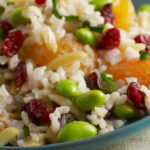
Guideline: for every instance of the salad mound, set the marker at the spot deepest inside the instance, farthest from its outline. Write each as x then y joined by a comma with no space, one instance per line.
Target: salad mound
71,69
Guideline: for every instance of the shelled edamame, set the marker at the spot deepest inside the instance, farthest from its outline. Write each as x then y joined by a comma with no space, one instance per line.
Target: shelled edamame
125,111
76,130
67,88
100,3
86,36
17,17
87,101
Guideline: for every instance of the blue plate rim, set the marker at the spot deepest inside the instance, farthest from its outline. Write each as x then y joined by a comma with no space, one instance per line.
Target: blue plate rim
129,128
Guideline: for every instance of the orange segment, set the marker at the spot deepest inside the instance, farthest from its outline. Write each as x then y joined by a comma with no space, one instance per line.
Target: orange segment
124,13
42,56
132,68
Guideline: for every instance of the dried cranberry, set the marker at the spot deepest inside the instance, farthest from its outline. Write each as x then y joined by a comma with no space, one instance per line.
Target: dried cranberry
40,2
136,96
55,105
141,106
20,75
38,112
110,39
13,43
107,13
92,81
143,38
109,115
6,27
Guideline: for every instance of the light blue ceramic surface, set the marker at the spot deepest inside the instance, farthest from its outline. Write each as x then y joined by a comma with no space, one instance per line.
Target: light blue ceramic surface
98,141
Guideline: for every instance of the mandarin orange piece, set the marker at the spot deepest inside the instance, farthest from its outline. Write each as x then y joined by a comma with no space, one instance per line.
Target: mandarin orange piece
133,68
124,13
40,54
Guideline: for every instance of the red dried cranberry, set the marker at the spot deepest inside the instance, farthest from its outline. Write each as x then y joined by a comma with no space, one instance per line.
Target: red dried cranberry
143,38
40,2
141,106
20,75
6,27
38,112
107,13
136,96
13,43
109,115
55,105
92,81
110,39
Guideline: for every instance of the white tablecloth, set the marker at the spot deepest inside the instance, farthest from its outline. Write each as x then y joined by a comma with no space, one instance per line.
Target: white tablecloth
141,141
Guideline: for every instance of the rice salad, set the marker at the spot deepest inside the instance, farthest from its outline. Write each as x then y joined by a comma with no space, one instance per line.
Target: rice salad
71,69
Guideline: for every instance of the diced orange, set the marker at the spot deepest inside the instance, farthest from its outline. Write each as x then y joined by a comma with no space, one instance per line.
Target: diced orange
42,56
124,13
132,68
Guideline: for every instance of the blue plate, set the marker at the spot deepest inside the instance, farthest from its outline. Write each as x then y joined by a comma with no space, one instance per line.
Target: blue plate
99,141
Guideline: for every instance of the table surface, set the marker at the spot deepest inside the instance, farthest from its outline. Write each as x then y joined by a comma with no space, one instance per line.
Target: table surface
140,141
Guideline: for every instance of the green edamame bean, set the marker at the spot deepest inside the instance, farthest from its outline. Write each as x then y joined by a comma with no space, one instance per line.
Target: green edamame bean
76,130
17,18
2,9
100,3
144,7
86,36
67,88
125,111
87,101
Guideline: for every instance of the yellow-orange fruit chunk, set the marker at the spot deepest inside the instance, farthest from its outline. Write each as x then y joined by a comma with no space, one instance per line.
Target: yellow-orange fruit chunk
41,55
124,13
133,68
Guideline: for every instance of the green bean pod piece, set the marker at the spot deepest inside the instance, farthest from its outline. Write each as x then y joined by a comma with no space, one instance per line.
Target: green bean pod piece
75,131
125,111
87,101
17,18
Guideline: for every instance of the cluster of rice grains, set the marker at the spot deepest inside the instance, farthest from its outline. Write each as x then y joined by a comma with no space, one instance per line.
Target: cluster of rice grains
40,47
